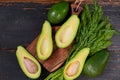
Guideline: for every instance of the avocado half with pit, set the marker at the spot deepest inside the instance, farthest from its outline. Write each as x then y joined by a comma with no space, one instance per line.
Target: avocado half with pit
67,32
29,65
44,46
75,66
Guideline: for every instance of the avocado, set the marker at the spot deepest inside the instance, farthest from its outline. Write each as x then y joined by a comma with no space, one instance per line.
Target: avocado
67,32
95,65
75,66
58,12
44,45
29,65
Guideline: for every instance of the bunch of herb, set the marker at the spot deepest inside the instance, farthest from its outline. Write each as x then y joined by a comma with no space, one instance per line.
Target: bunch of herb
95,31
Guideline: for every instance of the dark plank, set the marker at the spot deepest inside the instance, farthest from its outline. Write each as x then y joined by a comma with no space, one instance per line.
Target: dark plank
20,23
103,2
10,69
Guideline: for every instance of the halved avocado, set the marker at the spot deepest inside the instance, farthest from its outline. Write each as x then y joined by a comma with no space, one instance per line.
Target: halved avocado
75,66
44,46
67,32
29,65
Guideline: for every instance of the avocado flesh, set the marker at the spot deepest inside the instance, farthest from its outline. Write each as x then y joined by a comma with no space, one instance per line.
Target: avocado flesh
67,32
29,65
44,46
75,66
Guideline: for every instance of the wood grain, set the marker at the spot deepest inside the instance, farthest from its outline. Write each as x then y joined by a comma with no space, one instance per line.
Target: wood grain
103,2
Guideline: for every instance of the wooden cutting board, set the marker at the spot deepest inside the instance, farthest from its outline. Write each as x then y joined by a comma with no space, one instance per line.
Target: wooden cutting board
58,57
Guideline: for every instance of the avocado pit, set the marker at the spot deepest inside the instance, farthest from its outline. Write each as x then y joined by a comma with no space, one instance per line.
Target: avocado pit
30,66
73,68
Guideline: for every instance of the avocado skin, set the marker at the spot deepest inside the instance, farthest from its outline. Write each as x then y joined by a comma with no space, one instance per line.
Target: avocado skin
95,65
58,12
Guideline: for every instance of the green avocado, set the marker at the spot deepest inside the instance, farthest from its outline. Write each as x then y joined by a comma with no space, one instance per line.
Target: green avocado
58,12
67,32
29,65
44,46
75,66
95,65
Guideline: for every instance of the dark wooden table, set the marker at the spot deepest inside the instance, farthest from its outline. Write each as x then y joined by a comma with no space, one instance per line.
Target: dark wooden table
21,22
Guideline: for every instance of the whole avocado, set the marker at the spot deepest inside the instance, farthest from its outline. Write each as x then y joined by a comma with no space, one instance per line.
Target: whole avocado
58,12
95,65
